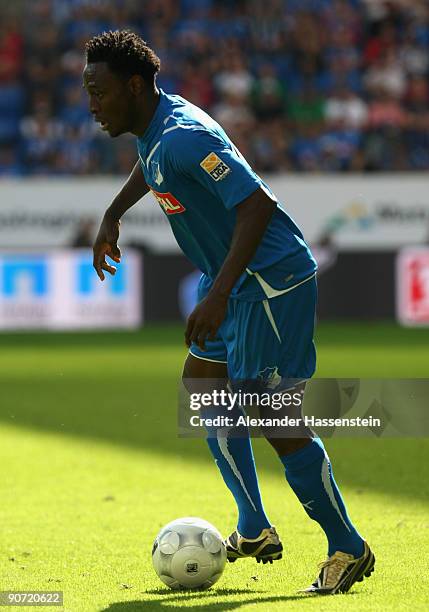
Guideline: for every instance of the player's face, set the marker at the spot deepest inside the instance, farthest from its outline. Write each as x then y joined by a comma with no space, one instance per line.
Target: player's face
110,100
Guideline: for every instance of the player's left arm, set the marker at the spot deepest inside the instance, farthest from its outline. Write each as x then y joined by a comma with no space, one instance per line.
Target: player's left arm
253,216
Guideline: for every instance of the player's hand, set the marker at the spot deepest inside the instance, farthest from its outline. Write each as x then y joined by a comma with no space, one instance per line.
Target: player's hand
205,320
106,243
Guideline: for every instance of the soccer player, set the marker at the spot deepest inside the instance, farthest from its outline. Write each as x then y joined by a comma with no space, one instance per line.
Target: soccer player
257,293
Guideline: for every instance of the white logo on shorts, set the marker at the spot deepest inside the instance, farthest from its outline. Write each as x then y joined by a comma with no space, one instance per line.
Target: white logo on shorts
270,376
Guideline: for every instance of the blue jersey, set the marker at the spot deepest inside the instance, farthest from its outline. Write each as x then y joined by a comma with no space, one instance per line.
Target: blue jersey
198,177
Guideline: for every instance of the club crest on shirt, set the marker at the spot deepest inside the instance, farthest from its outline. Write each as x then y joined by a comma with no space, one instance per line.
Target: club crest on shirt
157,176
168,203
214,166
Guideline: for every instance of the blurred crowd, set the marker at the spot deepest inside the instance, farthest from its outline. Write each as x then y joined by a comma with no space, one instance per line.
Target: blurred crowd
300,85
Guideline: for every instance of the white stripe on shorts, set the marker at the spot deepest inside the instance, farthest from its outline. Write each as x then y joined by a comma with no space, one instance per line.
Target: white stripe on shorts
206,358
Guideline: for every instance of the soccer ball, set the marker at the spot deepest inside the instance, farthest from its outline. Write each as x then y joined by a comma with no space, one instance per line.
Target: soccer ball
189,553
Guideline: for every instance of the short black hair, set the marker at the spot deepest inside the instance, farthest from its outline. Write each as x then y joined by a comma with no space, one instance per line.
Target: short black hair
125,53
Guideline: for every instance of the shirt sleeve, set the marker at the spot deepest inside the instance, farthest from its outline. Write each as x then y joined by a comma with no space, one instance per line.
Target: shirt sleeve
215,164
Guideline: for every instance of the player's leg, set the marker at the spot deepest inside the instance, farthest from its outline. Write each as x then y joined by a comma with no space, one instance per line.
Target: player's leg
309,472
307,466
233,454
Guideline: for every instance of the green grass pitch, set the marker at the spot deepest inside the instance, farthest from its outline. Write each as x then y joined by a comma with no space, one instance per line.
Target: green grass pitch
92,467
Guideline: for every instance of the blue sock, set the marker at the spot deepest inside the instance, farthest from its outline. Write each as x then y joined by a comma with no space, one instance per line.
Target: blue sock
234,458
309,473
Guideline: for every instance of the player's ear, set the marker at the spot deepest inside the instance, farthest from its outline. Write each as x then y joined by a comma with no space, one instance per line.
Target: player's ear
136,85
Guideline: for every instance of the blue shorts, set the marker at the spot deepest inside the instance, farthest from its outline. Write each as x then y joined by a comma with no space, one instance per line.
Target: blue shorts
269,340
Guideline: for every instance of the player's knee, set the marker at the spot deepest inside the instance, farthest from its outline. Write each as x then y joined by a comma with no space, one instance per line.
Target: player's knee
286,446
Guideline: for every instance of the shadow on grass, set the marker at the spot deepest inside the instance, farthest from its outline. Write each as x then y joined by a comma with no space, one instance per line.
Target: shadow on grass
153,335
172,600
219,603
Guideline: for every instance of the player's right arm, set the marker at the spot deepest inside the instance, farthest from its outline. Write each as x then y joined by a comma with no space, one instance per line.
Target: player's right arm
106,242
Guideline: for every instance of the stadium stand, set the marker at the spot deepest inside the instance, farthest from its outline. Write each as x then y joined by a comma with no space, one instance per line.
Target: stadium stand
301,85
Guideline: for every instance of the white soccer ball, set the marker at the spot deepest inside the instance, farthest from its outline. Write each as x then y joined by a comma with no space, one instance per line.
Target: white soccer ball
189,553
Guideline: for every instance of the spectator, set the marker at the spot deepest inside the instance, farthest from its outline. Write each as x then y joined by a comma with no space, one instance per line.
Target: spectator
11,47
235,77
385,40
196,85
270,146
74,152
233,113
306,107
417,130
338,146
384,146
74,108
41,135
9,164
268,94
346,106
385,111
414,57
305,149
388,74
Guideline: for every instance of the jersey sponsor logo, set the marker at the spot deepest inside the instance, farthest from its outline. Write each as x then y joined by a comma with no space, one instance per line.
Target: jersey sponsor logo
169,203
214,166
